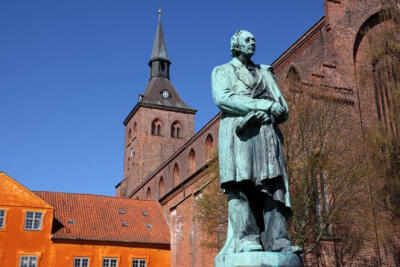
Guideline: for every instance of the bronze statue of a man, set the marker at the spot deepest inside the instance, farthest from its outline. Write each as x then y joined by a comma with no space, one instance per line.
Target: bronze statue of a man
252,165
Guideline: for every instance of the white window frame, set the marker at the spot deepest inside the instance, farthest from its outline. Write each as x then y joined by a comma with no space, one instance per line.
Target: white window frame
80,263
139,262
108,264
35,218
28,261
2,218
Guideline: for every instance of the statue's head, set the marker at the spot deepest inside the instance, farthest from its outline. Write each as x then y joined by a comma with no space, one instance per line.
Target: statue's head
243,42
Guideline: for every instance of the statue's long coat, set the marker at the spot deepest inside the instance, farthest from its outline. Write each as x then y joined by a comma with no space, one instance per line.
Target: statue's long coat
256,155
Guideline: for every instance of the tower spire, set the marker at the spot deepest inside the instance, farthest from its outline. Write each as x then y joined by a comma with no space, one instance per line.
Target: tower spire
160,92
159,62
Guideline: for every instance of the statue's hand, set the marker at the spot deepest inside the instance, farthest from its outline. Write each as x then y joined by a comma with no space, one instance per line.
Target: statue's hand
276,109
263,117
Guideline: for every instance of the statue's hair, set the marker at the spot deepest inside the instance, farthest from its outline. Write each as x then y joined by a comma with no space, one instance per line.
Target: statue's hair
235,42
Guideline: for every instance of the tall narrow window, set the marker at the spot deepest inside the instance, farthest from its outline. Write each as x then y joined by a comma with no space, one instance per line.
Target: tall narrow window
33,220
377,65
148,194
2,218
321,207
28,261
176,130
173,131
134,129
161,187
293,84
386,84
293,80
176,174
129,134
81,262
317,201
209,148
325,201
191,162
156,127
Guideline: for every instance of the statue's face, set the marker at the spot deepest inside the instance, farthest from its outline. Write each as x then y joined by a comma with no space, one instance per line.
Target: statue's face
247,43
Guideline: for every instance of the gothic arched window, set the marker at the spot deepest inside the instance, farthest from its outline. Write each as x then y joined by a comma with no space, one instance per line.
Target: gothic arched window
161,189
176,130
134,129
156,127
377,65
176,174
191,162
148,194
129,135
386,85
293,80
209,148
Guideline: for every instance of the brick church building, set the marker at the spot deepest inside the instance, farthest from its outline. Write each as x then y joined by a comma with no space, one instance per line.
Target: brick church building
166,161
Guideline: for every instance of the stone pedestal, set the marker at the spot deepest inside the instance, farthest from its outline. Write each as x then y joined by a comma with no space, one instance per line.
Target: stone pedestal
258,259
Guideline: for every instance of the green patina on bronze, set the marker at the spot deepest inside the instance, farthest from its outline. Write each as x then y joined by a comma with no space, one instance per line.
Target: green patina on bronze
252,165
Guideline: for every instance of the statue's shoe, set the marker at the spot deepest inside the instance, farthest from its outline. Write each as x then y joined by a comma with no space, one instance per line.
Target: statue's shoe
290,249
248,246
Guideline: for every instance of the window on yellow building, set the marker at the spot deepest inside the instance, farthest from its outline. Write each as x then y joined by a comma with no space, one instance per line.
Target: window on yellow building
81,262
27,261
33,220
139,263
2,218
110,262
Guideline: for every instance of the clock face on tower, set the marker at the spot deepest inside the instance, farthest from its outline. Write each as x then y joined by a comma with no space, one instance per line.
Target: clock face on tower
165,93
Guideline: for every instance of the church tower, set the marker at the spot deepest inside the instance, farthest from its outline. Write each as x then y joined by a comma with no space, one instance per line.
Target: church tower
159,123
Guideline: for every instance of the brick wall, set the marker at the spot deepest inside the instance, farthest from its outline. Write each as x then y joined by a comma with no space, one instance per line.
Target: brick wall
181,159
326,57
149,151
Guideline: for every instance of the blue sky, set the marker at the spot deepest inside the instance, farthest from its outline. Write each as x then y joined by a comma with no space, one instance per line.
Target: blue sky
70,72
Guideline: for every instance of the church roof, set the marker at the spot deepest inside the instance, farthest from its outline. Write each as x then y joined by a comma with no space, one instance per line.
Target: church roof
105,218
154,94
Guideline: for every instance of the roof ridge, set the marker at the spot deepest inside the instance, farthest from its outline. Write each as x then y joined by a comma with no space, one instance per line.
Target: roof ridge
95,195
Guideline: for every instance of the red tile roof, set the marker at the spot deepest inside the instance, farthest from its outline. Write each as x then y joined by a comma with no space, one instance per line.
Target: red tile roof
105,218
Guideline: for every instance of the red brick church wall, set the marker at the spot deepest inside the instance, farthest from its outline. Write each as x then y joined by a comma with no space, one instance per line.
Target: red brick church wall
326,58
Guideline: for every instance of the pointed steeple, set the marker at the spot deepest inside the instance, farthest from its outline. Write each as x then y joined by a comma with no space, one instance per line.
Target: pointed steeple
159,62
159,48
160,93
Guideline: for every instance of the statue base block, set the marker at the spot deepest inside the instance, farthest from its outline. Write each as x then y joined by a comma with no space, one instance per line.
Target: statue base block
258,259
